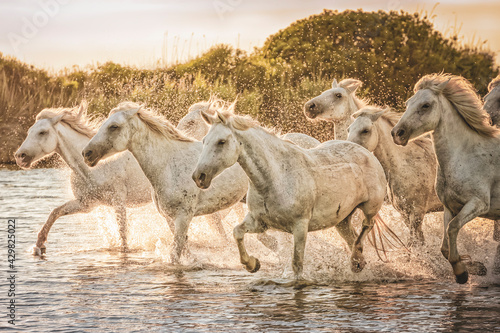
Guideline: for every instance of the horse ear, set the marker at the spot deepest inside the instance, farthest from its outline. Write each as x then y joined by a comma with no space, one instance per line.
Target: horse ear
209,119
334,83
375,116
352,87
82,108
56,119
442,85
131,112
222,118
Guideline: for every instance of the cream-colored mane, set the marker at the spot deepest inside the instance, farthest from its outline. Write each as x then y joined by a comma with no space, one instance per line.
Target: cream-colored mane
462,95
359,103
155,122
495,82
78,121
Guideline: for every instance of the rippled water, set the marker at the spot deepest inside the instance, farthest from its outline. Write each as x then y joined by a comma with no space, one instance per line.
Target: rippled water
85,285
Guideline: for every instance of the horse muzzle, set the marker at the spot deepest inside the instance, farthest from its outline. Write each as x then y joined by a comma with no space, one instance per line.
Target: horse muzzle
23,160
202,180
400,136
90,157
311,110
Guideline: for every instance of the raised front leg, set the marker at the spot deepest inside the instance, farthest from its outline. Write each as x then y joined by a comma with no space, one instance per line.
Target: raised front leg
299,246
69,208
470,210
251,225
121,218
357,259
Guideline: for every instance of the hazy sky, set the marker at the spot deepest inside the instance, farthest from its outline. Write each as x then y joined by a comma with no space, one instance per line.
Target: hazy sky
61,33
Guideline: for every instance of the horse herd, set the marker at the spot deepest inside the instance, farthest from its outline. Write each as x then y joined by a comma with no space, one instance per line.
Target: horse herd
291,183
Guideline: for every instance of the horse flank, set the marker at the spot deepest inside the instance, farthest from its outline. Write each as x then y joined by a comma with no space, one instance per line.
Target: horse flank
78,121
155,122
462,95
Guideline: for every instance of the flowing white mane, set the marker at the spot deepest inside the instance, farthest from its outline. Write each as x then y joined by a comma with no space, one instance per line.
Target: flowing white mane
462,95
75,119
155,122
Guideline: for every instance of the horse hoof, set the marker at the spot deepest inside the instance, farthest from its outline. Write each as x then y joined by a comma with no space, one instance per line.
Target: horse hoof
255,267
357,265
476,268
462,278
39,251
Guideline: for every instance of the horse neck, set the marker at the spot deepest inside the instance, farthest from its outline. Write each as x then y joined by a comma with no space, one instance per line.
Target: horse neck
69,147
452,135
341,126
387,152
260,156
154,152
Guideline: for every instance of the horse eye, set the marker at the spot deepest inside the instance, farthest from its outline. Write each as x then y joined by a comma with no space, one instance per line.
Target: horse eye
113,127
221,142
42,133
338,95
426,106
365,131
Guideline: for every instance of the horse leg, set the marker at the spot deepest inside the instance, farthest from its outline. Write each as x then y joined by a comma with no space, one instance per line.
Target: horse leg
357,259
299,246
496,237
68,208
215,221
445,248
346,231
249,224
121,218
416,233
181,223
267,240
470,210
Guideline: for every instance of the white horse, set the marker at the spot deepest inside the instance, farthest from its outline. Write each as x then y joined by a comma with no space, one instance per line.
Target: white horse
336,105
466,145
117,183
492,101
410,170
492,106
293,189
195,127
167,158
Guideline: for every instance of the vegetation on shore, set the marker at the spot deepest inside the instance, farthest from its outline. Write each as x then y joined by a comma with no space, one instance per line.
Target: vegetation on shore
387,51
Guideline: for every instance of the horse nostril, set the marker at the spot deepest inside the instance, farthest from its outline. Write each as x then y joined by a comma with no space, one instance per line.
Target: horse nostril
202,177
87,153
312,106
400,133
23,155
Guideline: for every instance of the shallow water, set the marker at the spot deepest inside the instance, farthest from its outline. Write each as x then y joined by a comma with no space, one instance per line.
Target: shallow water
85,285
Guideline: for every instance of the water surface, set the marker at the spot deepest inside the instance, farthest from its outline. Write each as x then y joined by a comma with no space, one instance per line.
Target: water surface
84,284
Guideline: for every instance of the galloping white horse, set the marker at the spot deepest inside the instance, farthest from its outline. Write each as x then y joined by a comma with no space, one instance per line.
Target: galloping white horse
410,170
492,106
492,101
336,105
293,189
466,145
167,158
118,183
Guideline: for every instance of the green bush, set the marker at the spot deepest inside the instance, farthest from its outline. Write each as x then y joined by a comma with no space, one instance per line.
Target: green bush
387,51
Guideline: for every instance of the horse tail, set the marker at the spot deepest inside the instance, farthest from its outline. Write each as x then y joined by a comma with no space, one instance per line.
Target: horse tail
384,234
